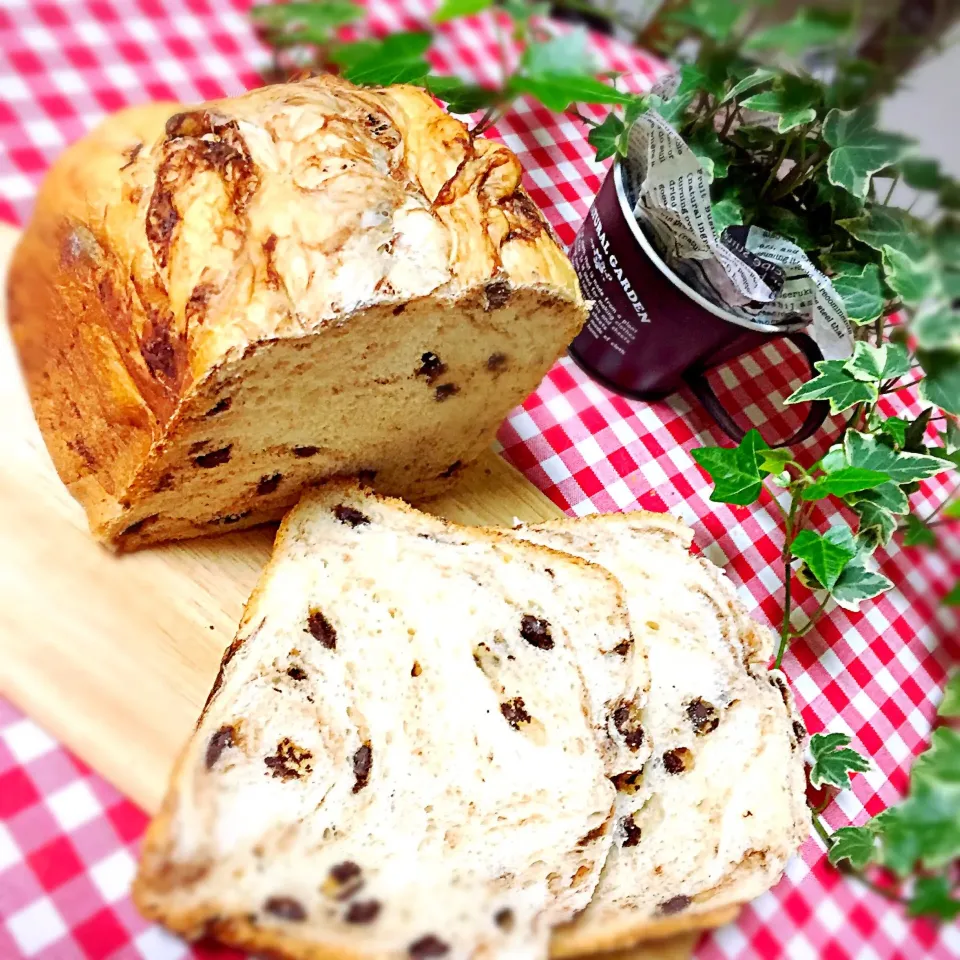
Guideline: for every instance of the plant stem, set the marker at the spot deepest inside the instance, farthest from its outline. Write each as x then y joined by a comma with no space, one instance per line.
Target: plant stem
787,558
947,499
775,169
811,623
854,417
893,186
820,828
490,117
502,49
876,888
732,112
820,807
780,510
577,115
798,175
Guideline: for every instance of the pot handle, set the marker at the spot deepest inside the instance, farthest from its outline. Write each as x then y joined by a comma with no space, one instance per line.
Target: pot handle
817,415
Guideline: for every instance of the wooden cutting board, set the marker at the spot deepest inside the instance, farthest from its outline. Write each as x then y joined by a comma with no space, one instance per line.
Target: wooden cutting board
115,655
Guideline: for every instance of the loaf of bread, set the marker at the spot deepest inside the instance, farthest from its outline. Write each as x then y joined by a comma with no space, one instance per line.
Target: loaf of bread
217,305
407,751
711,820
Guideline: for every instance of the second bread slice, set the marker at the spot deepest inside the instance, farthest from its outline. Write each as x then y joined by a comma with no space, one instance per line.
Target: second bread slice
711,819
404,753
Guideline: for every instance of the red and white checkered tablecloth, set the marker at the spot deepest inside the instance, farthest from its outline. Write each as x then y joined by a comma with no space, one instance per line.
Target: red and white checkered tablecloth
68,840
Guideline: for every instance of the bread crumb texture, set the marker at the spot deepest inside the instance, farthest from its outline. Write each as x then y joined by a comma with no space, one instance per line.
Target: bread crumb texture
217,305
403,755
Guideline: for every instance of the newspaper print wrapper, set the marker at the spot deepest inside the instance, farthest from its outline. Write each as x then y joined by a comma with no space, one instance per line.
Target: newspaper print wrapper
750,272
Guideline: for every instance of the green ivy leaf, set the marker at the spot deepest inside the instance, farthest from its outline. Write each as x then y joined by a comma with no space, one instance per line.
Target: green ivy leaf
859,148
946,240
398,58
609,138
567,54
834,761
915,436
918,533
787,224
790,119
881,227
843,206
950,704
520,11
895,427
937,328
459,96
853,83
834,383
834,459
939,766
844,482
714,157
451,9
774,461
877,525
913,280
694,79
857,584
866,451
952,599
559,91
825,559
735,472
727,212
858,285
888,362
855,844
887,495
636,108
921,173
941,385
809,28
925,827
673,109
951,444
713,18
792,98
753,79
311,22
950,282
950,194
932,898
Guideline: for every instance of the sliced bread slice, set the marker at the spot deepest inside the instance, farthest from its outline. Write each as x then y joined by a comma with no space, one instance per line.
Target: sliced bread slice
400,756
715,815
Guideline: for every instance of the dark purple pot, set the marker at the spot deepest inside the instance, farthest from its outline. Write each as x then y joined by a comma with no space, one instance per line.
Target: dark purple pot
649,333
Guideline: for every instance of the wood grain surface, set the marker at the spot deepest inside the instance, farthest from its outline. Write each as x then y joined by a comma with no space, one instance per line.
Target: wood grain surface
115,655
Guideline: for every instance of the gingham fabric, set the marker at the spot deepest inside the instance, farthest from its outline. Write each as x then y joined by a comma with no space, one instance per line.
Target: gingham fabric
68,841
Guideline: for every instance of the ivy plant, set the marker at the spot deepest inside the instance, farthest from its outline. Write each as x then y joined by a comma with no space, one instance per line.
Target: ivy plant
554,68
917,841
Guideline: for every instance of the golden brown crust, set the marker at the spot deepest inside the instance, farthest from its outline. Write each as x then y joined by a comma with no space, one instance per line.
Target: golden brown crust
566,941
166,243
94,406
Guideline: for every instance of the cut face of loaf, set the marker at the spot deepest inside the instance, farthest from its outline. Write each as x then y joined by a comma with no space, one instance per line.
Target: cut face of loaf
400,757
720,807
217,306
